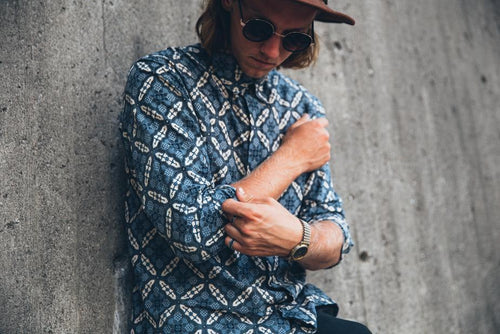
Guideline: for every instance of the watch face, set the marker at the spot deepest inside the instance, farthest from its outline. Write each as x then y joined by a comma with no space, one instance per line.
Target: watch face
300,252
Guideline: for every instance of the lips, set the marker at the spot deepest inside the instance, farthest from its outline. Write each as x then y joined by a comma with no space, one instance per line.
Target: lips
263,62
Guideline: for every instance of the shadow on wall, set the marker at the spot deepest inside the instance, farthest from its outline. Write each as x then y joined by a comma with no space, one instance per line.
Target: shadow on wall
123,291
122,268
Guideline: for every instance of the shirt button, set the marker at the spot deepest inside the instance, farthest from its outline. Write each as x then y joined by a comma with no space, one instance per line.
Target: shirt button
236,91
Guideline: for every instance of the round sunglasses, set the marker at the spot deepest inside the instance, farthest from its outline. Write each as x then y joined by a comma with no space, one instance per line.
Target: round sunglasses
260,30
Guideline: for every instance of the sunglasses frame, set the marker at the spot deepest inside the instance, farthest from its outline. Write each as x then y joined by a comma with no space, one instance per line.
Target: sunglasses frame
244,23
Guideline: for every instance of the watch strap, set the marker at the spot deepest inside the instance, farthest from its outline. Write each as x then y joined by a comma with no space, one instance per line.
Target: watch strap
306,237
303,245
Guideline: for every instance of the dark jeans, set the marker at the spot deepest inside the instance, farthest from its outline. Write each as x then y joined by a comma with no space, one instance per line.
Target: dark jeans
329,324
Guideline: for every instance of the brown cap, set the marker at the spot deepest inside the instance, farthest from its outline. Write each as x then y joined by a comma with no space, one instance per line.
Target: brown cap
326,14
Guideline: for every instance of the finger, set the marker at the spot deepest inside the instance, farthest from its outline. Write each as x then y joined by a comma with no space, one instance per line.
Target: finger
235,208
243,196
230,208
322,121
230,218
232,244
241,229
305,118
233,232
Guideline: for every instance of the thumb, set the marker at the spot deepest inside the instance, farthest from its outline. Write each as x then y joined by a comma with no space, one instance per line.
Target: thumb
243,196
305,118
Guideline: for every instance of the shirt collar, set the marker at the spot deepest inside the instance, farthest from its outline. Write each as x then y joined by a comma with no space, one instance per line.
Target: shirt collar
226,68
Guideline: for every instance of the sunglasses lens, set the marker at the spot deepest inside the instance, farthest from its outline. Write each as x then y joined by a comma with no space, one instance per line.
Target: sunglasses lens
296,41
257,30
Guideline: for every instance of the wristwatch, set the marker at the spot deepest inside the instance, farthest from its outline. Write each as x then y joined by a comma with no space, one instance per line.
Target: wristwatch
298,252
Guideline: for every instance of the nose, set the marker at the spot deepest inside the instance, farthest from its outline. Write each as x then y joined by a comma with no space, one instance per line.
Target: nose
271,47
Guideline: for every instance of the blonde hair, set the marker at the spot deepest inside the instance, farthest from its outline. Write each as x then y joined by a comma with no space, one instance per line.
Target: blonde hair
213,26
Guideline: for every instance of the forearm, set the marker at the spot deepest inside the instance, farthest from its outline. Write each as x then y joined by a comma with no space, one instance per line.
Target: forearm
263,227
325,248
304,148
272,177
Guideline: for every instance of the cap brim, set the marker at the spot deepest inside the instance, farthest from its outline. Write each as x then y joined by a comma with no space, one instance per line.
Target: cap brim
326,14
334,17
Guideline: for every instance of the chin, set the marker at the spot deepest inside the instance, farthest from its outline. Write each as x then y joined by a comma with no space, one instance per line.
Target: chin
256,74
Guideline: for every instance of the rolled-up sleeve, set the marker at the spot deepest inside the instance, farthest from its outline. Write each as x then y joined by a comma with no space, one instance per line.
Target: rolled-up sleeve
167,163
321,202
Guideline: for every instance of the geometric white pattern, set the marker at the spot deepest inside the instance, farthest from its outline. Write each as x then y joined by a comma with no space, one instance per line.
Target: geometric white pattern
192,125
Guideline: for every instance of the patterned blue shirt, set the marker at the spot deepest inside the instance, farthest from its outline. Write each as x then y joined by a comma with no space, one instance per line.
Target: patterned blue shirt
192,125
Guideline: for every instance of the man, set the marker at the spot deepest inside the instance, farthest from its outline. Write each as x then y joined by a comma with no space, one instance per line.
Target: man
230,196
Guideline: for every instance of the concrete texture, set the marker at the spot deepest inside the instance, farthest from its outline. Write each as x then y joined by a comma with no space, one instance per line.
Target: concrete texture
413,96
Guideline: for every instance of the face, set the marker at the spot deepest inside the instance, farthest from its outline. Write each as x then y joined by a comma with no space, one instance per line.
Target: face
256,59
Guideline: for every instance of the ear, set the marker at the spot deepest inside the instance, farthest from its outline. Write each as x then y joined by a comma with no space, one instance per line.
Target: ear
227,4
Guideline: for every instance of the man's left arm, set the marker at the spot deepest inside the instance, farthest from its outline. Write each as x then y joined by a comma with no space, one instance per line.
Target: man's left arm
263,227
324,210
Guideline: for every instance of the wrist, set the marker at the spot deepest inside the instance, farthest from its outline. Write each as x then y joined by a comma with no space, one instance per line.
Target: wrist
289,161
300,250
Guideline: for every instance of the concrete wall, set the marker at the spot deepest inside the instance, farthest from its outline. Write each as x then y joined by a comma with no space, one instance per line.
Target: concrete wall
413,95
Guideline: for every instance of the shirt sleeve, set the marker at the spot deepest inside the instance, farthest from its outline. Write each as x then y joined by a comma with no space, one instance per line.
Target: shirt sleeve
167,163
320,201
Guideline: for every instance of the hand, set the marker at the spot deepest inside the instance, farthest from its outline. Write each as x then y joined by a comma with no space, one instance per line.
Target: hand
306,142
260,226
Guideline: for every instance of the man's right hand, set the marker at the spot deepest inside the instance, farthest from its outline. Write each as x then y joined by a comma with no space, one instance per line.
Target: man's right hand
306,143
